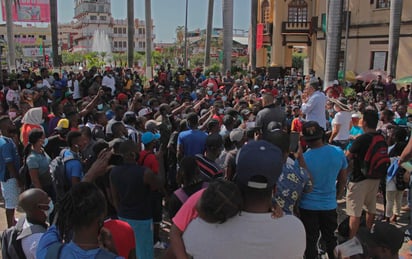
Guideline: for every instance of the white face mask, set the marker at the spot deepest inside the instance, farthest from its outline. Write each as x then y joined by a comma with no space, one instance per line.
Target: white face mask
100,106
40,85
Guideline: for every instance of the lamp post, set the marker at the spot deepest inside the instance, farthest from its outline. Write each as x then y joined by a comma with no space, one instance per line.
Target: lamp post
185,56
2,43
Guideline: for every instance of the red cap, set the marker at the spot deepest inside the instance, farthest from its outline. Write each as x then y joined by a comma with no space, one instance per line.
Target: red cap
122,96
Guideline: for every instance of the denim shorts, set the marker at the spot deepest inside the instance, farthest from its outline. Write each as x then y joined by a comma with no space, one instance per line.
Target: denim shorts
11,191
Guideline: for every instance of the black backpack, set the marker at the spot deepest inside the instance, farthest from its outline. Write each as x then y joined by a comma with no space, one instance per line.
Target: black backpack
11,239
57,167
376,162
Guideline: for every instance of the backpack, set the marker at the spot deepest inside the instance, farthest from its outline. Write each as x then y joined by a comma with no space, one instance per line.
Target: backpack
60,181
376,162
399,179
54,251
24,176
11,239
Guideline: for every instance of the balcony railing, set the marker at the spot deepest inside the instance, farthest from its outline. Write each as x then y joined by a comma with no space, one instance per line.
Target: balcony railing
297,27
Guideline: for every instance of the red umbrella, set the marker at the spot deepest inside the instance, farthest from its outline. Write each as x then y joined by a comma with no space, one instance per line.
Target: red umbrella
371,75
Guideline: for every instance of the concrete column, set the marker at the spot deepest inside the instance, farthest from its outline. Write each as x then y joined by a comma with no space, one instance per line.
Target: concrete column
277,55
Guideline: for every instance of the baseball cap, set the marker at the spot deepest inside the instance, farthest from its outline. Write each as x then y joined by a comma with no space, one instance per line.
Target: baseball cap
122,96
236,135
312,131
148,137
144,111
382,234
62,124
258,165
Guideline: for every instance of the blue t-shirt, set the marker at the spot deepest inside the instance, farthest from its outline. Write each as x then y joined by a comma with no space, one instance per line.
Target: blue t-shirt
69,251
293,181
8,153
324,164
354,131
73,168
193,142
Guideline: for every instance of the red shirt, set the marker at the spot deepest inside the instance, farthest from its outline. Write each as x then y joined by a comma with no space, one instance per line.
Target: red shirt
148,159
123,236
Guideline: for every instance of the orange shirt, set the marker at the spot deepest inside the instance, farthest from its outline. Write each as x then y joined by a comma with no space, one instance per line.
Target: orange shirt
25,130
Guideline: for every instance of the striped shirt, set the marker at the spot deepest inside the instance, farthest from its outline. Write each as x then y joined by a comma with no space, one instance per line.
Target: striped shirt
208,169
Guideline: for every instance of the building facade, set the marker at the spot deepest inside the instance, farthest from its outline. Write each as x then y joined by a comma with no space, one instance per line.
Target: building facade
289,24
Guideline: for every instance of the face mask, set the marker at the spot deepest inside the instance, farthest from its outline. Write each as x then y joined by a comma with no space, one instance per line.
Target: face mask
100,106
50,210
224,98
39,85
209,92
46,140
221,111
212,77
12,115
409,124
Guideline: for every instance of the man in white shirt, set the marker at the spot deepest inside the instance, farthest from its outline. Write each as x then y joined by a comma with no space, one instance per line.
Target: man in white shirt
253,233
314,102
108,80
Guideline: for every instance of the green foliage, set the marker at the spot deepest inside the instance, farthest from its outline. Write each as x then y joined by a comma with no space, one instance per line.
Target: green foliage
215,67
94,59
71,58
297,61
349,92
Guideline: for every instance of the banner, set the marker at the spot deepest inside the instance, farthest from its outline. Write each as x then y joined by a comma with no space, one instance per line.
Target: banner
259,36
29,11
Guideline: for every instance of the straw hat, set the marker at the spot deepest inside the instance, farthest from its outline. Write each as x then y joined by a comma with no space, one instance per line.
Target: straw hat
341,102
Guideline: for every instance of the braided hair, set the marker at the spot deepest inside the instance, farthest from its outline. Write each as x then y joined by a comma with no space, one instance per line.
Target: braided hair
79,208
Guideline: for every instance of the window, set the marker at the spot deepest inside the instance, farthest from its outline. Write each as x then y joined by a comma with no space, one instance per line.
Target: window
383,4
141,31
93,17
379,60
124,30
265,7
101,8
115,30
142,45
298,11
102,18
115,44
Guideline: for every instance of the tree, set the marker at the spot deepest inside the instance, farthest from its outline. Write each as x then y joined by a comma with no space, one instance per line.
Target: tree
227,33
209,32
394,31
148,17
130,32
333,37
10,34
54,32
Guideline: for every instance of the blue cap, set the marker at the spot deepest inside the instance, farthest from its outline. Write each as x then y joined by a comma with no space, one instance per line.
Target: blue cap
258,165
148,137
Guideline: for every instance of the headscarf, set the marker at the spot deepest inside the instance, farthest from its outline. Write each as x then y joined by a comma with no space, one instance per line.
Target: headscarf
33,116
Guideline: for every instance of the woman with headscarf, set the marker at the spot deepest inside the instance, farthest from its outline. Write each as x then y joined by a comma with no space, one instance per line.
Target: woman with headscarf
31,120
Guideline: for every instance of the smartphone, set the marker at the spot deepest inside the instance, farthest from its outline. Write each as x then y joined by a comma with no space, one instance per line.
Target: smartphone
116,160
407,166
294,141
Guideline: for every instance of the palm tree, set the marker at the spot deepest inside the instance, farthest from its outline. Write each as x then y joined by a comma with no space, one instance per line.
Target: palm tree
227,33
394,31
54,33
148,16
253,25
10,34
130,32
208,33
333,36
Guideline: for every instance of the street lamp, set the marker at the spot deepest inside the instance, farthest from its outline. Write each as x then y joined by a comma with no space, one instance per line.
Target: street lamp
185,56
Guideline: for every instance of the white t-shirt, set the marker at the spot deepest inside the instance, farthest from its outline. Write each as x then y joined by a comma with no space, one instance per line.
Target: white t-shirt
250,235
76,89
109,82
29,243
343,119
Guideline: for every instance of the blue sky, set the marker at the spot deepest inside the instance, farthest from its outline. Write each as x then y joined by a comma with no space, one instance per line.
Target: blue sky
168,14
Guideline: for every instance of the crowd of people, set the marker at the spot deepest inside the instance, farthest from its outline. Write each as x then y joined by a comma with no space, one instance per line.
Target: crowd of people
98,160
